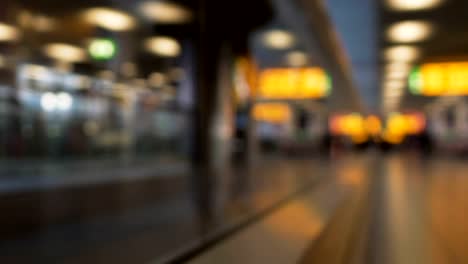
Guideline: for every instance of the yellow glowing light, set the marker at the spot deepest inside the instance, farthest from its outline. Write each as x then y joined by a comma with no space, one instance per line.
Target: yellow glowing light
352,125
8,33
163,46
65,52
402,53
296,58
373,125
401,125
441,79
413,5
298,83
278,39
272,112
165,12
409,31
110,19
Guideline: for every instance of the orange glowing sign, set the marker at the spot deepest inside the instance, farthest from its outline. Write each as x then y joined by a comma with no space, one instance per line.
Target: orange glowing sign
352,125
272,112
438,79
401,125
294,83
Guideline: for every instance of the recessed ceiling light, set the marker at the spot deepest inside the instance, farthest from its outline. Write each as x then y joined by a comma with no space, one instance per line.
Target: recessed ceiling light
65,52
412,5
8,33
163,46
278,39
409,31
165,12
402,53
110,19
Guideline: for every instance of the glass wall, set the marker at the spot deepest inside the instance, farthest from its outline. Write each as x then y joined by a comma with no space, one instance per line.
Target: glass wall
83,84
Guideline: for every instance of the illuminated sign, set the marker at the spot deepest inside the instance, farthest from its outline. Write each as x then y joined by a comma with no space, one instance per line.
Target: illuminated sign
398,126
294,83
353,125
102,49
272,112
439,79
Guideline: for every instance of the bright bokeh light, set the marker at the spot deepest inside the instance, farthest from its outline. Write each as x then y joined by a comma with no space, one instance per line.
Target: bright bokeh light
48,101
278,39
165,12
352,125
402,53
65,52
102,49
272,112
440,79
409,31
296,58
413,5
64,101
399,126
163,46
8,33
293,83
110,19
61,101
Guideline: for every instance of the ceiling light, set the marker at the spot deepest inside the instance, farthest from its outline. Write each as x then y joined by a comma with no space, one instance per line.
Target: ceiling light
412,5
109,19
409,31
396,75
8,33
163,46
394,84
65,52
402,53
296,58
278,39
398,66
165,12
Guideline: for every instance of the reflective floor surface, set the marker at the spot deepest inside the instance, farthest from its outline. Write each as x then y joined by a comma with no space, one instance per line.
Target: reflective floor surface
367,207
402,208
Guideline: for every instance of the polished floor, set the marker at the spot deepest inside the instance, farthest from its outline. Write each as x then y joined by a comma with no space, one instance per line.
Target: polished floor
401,208
367,207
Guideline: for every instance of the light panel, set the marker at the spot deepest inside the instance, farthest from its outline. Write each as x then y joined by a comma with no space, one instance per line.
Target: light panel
409,31
293,83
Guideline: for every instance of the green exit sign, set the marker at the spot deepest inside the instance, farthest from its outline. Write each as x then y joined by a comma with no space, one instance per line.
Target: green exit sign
102,49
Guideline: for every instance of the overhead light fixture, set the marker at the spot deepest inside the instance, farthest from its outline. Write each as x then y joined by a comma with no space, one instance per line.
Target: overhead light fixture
278,39
165,12
110,19
163,46
396,75
412,5
296,58
402,53
394,84
8,33
65,52
409,31
398,66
